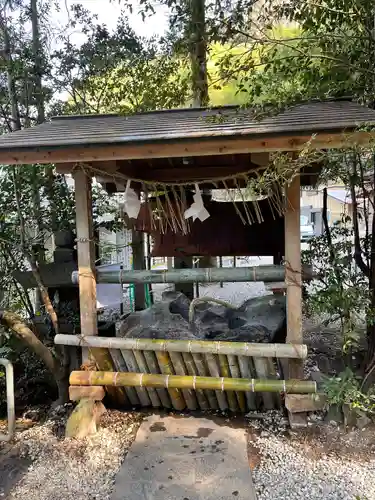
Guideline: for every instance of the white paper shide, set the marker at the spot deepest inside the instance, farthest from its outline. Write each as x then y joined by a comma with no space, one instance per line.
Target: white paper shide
197,209
132,204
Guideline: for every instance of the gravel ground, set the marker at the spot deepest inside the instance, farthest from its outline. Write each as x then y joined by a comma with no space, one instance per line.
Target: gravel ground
322,463
66,469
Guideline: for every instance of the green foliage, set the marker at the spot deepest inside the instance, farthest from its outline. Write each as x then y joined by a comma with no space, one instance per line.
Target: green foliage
35,209
341,291
279,53
345,389
115,71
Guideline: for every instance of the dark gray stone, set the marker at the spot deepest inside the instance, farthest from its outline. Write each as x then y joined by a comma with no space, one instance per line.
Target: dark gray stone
246,333
64,238
261,319
156,322
64,255
350,416
210,320
334,414
178,303
267,311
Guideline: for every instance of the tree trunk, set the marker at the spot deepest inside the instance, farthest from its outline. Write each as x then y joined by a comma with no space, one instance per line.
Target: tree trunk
370,358
38,62
357,242
12,95
33,264
54,366
198,53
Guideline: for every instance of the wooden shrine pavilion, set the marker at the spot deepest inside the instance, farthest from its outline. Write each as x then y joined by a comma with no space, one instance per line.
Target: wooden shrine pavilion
212,148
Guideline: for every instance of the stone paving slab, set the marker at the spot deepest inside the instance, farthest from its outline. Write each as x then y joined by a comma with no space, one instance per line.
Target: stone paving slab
185,458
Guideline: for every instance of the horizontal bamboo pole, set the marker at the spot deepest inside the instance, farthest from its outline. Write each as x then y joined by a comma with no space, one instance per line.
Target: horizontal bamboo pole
266,274
191,382
255,350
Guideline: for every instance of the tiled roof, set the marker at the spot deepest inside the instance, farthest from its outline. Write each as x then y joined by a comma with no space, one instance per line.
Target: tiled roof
185,124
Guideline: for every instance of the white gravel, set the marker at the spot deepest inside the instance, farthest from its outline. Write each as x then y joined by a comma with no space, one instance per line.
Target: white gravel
67,469
287,472
235,293
327,465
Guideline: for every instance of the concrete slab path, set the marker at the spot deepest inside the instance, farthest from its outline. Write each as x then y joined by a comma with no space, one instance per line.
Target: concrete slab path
185,458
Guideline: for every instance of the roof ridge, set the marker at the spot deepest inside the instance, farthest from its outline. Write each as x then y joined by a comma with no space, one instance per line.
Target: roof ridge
190,109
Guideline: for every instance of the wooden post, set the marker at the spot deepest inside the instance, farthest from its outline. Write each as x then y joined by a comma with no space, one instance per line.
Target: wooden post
293,275
86,256
293,279
87,276
149,266
221,265
138,263
277,259
186,288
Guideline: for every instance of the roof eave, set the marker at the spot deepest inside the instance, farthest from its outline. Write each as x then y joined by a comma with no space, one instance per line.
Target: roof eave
200,146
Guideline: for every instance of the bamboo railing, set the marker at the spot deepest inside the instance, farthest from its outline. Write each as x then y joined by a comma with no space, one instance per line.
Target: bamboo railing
193,374
267,274
177,382
293,351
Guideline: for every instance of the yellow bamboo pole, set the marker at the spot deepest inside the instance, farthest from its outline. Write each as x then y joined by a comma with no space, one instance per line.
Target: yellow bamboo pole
245,369
142,367
192,370
180,369
203,372
213,368
235,373
121,379
153,367
225,372
104,362
261,371
166,368
132,365
293,351
120,366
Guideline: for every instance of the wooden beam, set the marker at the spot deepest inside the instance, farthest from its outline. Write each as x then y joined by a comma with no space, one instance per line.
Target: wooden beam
181,173
300,403
109,166
86,255
220,145
293,272
94,392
